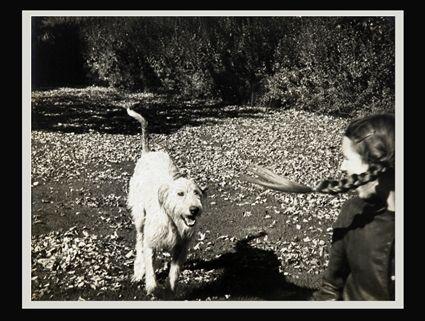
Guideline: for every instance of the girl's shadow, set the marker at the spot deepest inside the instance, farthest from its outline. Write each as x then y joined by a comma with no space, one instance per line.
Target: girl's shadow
248,274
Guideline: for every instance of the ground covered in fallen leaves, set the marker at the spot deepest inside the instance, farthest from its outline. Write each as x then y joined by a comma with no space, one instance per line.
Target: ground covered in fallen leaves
251,243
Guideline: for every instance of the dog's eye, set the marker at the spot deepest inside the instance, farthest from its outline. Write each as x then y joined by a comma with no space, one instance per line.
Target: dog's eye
180,193
196,192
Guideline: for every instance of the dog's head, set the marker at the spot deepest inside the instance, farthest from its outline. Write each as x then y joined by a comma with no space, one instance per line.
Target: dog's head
183,200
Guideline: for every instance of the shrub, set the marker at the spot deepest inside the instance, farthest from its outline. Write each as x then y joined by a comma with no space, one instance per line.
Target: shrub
57,53
337,65
341,66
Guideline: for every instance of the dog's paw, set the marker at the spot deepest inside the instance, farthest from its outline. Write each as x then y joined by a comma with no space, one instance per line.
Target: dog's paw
171,287
151,288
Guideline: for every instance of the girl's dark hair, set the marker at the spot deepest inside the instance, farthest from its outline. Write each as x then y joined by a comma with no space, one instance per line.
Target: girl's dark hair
373,139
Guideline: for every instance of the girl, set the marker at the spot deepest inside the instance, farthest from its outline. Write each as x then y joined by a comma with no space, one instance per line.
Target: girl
361,265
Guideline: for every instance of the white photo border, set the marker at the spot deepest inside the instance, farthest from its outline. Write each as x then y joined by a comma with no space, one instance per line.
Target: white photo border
26,169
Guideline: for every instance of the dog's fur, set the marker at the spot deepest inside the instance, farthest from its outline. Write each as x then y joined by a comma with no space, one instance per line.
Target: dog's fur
165,207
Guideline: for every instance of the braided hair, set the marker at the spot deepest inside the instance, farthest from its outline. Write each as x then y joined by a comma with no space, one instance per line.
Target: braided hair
351,182
373,139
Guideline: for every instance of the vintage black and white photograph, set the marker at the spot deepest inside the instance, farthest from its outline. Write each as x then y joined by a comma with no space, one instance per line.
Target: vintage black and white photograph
206,157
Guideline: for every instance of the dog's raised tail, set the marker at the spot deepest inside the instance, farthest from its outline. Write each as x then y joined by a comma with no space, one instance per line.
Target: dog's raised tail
143,122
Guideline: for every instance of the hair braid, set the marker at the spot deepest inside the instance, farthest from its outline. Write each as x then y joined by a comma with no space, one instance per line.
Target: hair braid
353,181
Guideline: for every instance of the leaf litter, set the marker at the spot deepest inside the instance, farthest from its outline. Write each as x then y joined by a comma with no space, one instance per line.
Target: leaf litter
300,145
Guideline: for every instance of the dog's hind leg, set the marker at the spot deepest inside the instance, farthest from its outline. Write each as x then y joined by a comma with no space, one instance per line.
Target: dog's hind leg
139,262
178,259
151,284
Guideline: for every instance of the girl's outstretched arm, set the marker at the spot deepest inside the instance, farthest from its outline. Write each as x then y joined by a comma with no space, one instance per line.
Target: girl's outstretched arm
336,274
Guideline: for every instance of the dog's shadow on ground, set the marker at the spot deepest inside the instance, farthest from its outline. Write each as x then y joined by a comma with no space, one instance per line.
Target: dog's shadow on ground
248,273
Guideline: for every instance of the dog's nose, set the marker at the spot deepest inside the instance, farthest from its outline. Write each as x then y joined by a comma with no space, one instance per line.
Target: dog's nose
194,210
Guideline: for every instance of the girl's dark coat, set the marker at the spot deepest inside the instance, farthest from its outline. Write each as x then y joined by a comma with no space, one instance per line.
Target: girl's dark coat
361,265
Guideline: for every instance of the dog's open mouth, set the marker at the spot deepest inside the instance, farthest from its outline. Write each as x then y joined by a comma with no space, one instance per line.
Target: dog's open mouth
189,220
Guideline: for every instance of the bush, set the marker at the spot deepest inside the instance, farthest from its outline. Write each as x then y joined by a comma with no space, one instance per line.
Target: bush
193,56
117,53
336,65
342,66
57,53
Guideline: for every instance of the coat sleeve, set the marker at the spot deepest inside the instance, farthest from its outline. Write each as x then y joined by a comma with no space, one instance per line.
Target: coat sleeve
337,271
336,274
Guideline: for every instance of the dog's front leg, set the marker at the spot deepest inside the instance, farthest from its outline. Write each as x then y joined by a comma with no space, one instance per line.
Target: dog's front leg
149,268
139,262
178,259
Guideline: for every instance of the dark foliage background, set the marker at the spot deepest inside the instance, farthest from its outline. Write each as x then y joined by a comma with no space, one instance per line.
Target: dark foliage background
333,65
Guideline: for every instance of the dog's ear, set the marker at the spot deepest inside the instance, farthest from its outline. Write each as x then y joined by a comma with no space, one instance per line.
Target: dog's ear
162,193
204,189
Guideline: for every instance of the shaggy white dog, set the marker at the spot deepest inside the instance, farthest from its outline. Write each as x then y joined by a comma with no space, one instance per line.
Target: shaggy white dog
165,207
